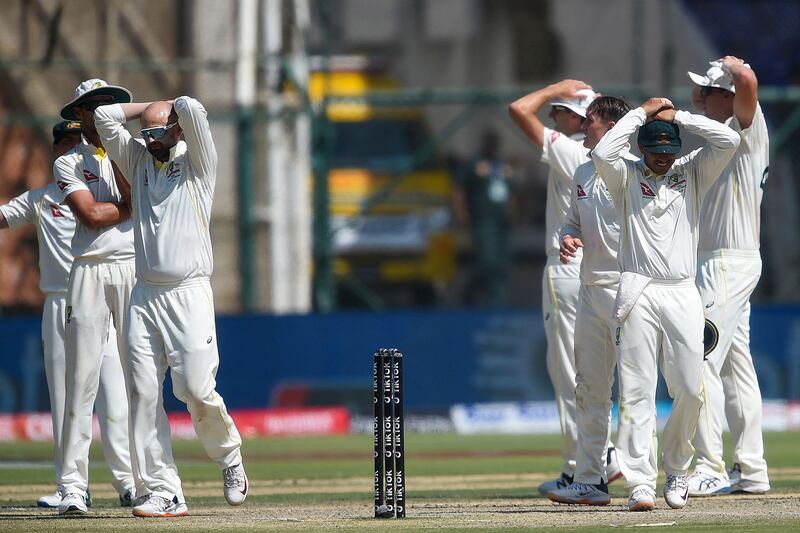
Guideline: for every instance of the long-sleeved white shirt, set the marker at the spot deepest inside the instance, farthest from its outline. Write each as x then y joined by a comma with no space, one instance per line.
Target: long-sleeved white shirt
171,201
55,226
731,213
659,215
88,168
593,218
563,155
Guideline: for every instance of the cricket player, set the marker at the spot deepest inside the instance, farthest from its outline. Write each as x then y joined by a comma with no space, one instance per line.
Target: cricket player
55,227
563,151
658,305
172,323
592,225
100,281
728,271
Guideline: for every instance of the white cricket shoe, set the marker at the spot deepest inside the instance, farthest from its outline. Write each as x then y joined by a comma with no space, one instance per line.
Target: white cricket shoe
235,484
676,491
643,498
703,484
745,485
581,494
72,505
561,482
50,501
613,471
159,507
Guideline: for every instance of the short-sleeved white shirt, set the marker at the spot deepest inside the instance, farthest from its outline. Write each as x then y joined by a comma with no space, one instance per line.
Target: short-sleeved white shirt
731,213
87,168
171,201
563,155
55,227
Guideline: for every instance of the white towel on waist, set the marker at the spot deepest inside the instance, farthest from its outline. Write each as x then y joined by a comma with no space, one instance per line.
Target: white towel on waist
631,286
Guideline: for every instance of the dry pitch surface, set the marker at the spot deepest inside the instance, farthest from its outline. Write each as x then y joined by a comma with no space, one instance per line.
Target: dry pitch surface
762,513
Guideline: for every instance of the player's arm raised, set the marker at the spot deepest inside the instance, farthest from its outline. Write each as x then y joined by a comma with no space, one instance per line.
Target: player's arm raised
523,110
121,146
721,145
193,119
607,155
746,99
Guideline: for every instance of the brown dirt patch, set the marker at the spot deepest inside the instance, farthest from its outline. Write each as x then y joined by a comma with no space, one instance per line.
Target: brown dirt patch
423,514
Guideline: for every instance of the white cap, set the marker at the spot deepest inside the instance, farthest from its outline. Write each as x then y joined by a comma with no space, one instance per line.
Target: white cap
716,76
577,104
94,88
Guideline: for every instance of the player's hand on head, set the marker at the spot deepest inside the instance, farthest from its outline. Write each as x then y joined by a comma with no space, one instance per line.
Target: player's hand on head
569,88
654,105
667,115
729,61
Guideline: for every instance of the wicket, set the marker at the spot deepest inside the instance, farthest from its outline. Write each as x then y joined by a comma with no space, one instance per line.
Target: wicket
389,449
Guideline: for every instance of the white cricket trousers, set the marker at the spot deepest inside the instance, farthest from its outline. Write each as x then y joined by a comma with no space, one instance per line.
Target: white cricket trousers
560,286
97,297
664,327
173,327
595,359
112,401
726,279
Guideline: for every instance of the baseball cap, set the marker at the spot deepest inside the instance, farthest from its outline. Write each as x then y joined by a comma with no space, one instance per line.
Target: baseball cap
93,88
660,137
715,76
65,127
577,104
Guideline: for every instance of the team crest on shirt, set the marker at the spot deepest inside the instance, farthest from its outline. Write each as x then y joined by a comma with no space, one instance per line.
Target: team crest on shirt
554,136
90,176
55,211
647,192
677,182
173,171
61,185
580,192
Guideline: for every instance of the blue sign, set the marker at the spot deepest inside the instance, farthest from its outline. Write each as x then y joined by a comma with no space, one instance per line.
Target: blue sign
450,357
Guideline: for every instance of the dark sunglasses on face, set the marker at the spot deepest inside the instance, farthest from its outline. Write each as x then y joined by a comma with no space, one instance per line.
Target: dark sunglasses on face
156,132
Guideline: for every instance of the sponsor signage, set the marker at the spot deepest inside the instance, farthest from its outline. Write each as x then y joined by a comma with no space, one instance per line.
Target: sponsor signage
249,422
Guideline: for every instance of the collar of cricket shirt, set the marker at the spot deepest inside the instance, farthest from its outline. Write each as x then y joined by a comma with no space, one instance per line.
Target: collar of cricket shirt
173,153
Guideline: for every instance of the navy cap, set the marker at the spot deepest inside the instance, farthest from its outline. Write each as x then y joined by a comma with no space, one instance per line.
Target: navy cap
660,137
65,127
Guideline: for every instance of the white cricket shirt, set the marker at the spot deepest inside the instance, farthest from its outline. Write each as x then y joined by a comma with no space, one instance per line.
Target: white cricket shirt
731,213
87,168
55,227
563,155
659,215
593,218
171,201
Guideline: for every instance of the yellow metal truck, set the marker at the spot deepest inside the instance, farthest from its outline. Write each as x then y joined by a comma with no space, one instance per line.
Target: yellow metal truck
390,211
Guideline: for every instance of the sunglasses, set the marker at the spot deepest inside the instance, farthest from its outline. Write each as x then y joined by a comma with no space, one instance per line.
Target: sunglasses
157,132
